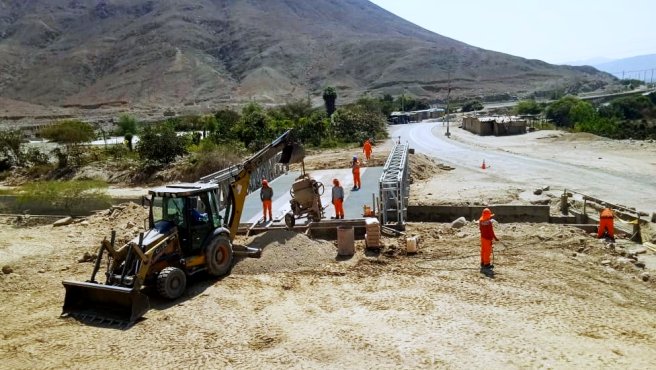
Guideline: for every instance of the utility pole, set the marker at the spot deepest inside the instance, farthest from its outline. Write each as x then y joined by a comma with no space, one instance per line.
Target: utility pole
448,134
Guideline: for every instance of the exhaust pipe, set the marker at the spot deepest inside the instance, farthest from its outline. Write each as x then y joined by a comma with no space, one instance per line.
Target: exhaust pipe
94,302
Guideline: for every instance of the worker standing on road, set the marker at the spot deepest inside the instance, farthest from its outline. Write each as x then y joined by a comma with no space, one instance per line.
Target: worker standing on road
266,194
487,235
355,168
606,225
366,149
338,199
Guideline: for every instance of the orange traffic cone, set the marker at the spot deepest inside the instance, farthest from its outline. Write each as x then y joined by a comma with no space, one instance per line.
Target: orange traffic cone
483,165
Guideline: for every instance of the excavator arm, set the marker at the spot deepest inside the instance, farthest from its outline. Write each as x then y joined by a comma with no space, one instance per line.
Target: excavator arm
292,152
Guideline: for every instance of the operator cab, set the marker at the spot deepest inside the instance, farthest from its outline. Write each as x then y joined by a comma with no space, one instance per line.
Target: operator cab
191,207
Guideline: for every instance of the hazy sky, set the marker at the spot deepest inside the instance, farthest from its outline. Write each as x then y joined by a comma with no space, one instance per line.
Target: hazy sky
556,31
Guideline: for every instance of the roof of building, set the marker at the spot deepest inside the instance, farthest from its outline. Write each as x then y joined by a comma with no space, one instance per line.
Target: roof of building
182,189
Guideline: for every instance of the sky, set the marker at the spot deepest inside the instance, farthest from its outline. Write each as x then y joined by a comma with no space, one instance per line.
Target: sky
555,31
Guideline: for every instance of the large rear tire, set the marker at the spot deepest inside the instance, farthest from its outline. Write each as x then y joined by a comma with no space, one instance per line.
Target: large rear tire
171,282
218,256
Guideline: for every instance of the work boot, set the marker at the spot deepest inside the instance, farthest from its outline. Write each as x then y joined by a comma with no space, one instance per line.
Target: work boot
489,266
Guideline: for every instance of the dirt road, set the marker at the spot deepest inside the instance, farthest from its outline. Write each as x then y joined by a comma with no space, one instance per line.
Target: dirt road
621,172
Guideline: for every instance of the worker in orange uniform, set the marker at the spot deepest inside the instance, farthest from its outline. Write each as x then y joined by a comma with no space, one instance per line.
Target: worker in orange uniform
338,199
355,168
606,225
366,149
266,194
487,235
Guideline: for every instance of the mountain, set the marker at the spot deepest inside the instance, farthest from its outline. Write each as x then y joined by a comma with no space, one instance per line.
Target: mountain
180,52
589,62
639,67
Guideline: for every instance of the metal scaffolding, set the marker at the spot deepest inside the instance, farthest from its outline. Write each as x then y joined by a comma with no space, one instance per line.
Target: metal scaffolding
395,187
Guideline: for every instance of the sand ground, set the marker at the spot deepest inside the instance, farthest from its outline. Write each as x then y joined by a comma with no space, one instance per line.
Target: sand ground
559,298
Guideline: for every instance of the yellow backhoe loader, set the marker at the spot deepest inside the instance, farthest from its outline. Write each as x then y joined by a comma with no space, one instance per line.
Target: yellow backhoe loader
186,235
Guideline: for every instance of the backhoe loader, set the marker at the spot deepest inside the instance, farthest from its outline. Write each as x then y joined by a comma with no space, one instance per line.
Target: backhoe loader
186,235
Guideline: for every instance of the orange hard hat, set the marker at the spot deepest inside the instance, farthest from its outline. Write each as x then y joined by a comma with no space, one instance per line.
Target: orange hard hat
487,214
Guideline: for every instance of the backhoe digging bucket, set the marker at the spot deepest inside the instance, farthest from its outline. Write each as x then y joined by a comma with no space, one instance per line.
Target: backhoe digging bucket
292,153
103,303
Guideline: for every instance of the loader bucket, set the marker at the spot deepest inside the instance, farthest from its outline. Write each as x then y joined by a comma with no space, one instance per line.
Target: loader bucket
292,153
103,303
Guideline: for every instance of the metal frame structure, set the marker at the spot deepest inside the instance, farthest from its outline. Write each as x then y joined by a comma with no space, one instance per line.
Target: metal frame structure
395,188
270,170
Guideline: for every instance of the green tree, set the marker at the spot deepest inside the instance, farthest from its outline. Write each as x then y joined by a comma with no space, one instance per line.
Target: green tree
127,126
473,105
560,111
633,107
70,133
161,145
528,107
355,123
329,98
210,124
253,128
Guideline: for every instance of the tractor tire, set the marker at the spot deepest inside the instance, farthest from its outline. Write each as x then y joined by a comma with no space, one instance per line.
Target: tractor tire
290,220
218,256
171,282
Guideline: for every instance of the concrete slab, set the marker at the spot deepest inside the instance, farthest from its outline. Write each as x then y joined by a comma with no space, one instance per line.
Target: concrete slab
353,200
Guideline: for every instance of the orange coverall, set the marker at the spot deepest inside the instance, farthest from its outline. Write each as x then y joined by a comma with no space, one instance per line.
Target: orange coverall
366,148
356,174
487,235
266,194
606,224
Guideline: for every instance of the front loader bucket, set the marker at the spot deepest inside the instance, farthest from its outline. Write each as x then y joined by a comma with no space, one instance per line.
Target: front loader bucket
97,302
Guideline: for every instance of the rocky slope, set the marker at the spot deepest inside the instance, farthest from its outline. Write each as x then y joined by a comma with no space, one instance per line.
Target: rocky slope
176,52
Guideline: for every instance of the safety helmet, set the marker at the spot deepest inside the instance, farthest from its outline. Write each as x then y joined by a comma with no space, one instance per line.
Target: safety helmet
487,214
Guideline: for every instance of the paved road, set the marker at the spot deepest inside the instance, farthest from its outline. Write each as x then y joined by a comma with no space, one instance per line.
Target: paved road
353,200
628,187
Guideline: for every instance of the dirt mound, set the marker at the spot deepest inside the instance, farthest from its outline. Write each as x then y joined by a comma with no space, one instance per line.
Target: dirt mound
284,251
423,167
341,158
579,136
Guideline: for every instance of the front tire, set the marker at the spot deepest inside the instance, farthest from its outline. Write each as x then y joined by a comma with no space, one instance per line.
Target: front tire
290,220
171,282
218,256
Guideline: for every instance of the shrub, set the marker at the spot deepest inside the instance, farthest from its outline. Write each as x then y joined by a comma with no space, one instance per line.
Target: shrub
160,145
64,194
528,107
471,106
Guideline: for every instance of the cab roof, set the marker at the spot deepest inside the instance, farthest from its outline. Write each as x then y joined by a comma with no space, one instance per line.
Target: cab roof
183,189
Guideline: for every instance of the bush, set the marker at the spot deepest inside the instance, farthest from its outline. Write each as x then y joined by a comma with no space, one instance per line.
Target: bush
568,111
528,107
471,106
160,145
11,143
208,158
70,133
64,194
354,124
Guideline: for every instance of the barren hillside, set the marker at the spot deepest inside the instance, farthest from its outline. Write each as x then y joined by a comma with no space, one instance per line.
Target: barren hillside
176,52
